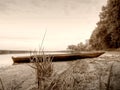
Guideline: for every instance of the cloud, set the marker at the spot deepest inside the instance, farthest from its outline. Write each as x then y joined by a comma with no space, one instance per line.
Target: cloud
51,7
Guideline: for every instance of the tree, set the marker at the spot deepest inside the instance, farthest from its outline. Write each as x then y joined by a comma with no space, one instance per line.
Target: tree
72,47
80,46
107,33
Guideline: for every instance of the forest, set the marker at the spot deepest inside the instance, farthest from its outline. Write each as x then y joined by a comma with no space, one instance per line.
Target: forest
106,34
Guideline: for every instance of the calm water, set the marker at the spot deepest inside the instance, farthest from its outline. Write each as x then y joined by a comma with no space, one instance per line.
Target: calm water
6,60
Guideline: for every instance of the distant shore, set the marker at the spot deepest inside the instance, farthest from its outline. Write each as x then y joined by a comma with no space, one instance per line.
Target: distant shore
26,51
13,51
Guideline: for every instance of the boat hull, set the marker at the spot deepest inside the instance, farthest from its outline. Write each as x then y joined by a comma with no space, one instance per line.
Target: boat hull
59,57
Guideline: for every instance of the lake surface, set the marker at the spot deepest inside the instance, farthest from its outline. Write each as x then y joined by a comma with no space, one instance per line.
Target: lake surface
6,60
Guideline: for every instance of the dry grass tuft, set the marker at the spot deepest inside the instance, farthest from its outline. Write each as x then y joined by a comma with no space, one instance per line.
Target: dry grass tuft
43,67
44,70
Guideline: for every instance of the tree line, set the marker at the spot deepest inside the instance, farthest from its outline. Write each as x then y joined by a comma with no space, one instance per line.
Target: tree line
107,33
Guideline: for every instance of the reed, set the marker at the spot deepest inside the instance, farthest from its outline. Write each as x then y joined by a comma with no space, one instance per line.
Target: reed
2,84
44,69
109,77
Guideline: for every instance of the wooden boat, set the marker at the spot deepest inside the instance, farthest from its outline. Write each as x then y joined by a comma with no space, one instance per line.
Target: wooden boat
59,57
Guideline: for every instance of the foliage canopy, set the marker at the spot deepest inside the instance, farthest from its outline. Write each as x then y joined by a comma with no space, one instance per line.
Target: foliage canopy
107,33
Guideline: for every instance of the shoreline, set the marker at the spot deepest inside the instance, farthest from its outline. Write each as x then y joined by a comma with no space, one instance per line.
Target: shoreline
22,73
26,51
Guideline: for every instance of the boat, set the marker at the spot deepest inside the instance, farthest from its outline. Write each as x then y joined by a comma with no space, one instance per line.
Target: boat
58,57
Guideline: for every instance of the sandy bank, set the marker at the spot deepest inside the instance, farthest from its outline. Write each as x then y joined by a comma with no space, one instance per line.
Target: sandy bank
102,73
85,74
22,76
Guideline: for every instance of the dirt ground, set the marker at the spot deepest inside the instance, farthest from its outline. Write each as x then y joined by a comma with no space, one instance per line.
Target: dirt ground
23,76
101,73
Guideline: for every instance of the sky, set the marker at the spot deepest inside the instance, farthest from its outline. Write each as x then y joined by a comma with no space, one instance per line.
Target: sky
66,22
